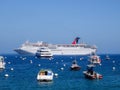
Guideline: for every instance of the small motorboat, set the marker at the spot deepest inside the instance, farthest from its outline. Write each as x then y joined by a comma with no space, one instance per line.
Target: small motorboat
95,59
75,66
95,75
91,74
2,63
45,75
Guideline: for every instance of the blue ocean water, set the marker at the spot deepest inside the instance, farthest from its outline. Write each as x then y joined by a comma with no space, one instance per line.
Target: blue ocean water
24,75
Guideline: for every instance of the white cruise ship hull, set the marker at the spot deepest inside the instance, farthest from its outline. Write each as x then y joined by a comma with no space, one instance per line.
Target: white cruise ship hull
57,49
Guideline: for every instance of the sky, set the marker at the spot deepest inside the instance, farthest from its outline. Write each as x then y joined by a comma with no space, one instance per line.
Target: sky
96,22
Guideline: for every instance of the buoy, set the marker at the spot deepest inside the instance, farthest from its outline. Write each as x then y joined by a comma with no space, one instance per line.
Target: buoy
113,68
21,57
39,65
9,62
24,58
64,65
56,62
6,75
5,57
11,69
62,68
113,61
15,56
31,61
81,58
55,74
50,58
35,57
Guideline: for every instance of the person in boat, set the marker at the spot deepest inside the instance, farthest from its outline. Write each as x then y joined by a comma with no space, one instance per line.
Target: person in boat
90,70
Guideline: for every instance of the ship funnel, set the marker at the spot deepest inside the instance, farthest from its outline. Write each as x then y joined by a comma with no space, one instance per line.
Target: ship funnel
75,40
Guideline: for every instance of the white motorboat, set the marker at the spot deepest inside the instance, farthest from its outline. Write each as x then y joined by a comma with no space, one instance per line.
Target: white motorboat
95,59
94,75
91,74
44,52
75,66
2,63
45,75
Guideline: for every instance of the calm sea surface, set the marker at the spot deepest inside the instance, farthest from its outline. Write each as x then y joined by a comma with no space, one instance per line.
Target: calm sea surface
24,75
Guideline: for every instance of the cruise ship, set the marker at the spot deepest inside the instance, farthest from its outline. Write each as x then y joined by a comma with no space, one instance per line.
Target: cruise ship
57,49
